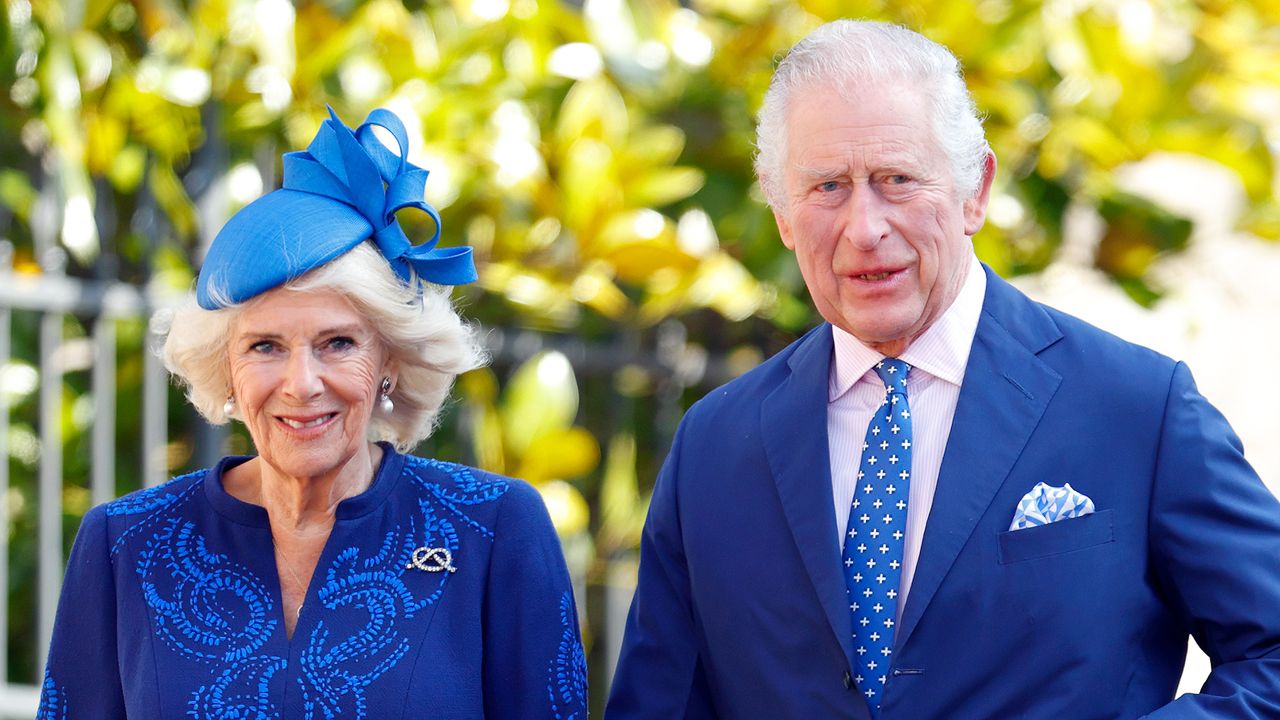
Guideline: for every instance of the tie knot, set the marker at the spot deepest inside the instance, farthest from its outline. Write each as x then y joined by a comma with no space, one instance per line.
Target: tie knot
894,374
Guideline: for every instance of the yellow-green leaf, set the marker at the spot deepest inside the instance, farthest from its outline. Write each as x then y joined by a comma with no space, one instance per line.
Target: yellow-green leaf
541,396
559,454
664,186
568,509
622,510
593,109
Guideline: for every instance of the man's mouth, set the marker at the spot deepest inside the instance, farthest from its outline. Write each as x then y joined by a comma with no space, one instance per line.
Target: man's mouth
872,277
304,424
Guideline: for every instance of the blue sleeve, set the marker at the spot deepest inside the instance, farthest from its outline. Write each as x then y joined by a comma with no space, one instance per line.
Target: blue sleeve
660,674
82,678
1216,546
534,665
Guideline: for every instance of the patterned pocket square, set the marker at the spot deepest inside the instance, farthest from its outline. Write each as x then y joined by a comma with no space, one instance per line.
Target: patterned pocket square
1046,504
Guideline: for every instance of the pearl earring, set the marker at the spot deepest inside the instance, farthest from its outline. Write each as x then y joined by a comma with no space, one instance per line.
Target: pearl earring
385,403
229,406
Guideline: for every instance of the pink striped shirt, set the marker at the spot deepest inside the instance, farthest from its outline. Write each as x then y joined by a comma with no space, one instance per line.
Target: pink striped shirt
938,359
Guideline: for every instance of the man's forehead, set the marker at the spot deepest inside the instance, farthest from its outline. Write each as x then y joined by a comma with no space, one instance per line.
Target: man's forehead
878,119
858,153
886,90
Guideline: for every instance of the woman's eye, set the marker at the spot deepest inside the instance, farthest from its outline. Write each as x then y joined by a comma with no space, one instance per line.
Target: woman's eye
340,343
262,346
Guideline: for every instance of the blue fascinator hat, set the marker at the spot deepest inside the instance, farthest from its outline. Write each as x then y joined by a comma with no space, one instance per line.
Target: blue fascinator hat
344,189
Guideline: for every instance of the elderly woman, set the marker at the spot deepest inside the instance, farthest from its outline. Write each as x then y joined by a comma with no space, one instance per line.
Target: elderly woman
330,575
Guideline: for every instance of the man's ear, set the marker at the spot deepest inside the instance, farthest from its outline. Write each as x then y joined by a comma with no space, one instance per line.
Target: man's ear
975,208
784,229
779,217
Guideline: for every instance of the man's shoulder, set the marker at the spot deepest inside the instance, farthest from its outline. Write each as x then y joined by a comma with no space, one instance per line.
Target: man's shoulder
1089,344
1066,340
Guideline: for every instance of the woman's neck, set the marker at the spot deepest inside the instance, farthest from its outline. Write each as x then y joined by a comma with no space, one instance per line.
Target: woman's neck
302,505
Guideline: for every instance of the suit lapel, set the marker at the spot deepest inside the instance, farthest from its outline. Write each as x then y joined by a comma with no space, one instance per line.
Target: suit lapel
794,419
1005,391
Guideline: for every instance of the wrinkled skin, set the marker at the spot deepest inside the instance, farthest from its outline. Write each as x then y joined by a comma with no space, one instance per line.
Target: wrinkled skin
870,208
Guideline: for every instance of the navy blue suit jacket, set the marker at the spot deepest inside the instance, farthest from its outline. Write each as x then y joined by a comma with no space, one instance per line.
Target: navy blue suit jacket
740,610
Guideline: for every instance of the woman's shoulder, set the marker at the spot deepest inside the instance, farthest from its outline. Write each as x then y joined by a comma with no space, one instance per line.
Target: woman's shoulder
117,520
165,495
462,485
455,480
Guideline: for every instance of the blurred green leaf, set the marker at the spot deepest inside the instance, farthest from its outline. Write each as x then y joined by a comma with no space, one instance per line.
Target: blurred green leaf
592,109
559,454
664,186
568,509
16,193
173,198
1137,232
541,397
622,510
1263,220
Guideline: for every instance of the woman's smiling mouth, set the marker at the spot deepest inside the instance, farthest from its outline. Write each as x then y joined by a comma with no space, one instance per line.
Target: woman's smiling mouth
304,424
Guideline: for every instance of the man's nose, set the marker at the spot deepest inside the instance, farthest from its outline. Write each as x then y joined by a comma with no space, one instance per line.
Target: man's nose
302,376
867,223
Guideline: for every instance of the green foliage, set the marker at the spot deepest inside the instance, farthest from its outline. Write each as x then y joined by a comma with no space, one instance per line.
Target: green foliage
529,432
567,144
1137,232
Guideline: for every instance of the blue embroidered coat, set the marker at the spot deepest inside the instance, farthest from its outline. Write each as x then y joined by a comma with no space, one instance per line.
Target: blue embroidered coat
171,608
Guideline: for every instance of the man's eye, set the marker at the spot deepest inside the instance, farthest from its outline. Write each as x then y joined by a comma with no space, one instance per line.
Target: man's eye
897,179
829,186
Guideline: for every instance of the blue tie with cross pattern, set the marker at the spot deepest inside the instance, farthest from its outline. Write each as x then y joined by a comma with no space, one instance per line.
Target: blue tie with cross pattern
877,528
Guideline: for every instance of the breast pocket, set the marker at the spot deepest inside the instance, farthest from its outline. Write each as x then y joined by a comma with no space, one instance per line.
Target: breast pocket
1057,538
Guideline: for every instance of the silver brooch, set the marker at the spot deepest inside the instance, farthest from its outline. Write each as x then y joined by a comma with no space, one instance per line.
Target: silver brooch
432,560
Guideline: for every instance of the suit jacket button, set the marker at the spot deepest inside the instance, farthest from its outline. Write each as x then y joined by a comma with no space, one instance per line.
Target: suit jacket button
848,680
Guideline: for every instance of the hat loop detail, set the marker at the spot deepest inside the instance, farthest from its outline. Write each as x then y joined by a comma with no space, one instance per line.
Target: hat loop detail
358,170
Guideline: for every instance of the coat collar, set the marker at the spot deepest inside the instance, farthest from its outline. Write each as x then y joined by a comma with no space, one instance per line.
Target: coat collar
794,419
1005,392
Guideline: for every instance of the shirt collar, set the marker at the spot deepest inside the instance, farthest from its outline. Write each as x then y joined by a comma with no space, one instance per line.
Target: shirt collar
941,351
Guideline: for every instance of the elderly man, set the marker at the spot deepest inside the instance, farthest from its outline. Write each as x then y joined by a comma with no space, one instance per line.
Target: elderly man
948,501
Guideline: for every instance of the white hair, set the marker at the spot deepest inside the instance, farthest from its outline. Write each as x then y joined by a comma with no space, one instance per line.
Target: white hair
846,52
423,334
